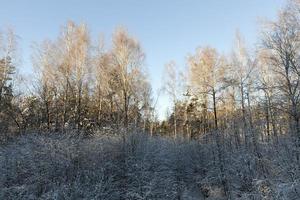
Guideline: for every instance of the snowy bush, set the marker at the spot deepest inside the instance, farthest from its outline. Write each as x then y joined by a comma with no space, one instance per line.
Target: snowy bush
137,166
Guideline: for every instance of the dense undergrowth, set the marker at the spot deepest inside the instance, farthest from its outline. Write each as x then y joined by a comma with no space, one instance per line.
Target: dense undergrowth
137,166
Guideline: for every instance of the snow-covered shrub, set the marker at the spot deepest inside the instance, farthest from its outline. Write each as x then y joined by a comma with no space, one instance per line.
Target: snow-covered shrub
137,166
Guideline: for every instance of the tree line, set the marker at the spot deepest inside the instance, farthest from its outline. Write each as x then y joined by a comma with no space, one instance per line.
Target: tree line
81,84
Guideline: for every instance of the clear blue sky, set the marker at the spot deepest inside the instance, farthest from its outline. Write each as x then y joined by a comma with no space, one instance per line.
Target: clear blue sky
167,29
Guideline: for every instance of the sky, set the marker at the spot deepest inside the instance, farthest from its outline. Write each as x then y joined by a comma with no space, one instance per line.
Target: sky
167,29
